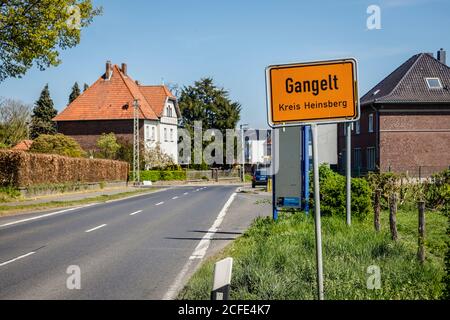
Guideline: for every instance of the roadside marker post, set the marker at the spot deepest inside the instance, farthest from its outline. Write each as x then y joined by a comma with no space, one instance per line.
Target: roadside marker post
310,94
222,279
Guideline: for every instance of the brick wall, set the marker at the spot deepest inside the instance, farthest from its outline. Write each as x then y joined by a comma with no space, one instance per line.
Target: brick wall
408,141
86,133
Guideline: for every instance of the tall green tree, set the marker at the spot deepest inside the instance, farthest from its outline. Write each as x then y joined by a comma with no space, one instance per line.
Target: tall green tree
43,112
34,31
211,105
75,92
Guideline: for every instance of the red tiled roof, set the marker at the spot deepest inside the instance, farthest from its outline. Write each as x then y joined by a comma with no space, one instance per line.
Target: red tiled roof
23,145
157,96
113,99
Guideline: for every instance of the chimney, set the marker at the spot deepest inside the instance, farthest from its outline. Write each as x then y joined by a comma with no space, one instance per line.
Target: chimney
441,56
124,69
138,82
108,70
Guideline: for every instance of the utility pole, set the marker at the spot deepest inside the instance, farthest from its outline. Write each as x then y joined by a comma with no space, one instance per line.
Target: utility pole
136,172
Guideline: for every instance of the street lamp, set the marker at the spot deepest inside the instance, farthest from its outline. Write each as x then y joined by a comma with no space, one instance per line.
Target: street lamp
243,127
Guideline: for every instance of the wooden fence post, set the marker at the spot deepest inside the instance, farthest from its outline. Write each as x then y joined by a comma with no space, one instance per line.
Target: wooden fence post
377,209
393,216
421,251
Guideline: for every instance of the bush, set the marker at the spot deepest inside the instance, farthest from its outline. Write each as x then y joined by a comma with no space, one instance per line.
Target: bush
57,144
25,169
437,190
333,194
3,146
157,175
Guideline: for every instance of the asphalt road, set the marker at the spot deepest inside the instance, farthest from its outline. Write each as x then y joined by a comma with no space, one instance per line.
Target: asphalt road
129,249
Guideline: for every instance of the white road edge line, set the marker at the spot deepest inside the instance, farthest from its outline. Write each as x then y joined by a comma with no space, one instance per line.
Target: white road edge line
96,228
174,198
159,203
45,215
15,259
132,214
199,251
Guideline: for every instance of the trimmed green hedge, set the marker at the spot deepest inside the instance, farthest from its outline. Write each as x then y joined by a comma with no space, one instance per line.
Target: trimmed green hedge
157,175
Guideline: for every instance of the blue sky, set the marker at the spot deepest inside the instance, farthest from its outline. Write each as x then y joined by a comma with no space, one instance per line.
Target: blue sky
233,41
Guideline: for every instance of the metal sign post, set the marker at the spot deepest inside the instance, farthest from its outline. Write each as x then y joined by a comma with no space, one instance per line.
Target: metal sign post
317,212
348,172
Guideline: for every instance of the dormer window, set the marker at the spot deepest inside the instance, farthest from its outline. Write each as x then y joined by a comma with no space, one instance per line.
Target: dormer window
434,83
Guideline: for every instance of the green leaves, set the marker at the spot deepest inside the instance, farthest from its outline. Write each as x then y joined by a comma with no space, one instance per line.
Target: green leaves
108,145
43,113
32,32
57,144
75,93
207,103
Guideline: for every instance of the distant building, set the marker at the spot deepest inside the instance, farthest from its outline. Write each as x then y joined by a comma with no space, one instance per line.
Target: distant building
405,121
257,146
107,106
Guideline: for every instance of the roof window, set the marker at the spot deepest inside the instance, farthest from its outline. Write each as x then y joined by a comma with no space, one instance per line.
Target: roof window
434,83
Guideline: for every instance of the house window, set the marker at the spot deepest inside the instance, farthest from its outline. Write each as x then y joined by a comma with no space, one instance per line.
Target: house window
371,122
371,158
434,83
357,158
147,132
358,127
153,133
171,135
165,134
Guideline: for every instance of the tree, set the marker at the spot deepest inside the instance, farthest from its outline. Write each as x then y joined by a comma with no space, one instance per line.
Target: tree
14,119
43,113
75,92
33,32
57,144
209,104
155,158
85,87
108,145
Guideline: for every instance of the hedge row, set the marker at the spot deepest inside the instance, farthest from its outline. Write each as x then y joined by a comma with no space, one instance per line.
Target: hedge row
156,175
24,169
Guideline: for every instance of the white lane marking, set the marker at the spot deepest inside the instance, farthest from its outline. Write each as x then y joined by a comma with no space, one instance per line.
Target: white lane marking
96,228
199,251
202,247
132,214
15,259
44,215
174,198
186,193
159,203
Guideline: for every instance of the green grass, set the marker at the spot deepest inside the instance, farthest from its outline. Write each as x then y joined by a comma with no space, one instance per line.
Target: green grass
277,260
8,210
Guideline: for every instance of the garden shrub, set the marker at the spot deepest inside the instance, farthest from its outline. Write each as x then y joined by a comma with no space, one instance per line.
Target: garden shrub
333,194
162,175
57,144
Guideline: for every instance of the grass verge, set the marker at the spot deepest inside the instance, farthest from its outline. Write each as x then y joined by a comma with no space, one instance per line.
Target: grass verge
9,210
277,260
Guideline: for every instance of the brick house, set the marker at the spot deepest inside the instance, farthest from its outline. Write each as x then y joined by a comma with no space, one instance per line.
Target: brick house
405,121
107,106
